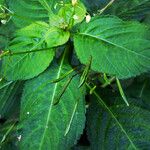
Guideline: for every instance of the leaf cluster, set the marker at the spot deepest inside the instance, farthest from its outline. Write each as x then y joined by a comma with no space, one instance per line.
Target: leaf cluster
74,74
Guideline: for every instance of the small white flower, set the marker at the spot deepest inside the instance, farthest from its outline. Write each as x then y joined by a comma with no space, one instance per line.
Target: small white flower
75,17
19,137
74,2
88,18
3,21
28,113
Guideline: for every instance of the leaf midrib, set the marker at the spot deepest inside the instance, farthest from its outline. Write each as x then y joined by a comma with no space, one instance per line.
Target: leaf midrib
111,113
35,46
52,101
114,44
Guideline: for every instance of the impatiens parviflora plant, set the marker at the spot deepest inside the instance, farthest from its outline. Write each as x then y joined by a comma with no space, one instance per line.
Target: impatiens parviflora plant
39,61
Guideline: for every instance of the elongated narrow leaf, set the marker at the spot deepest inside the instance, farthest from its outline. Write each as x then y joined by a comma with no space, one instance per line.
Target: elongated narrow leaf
104,133
45,124
34,44
117,48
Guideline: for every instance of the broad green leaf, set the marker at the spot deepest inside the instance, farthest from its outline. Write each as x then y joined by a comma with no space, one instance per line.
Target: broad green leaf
147,19
118,48
1,2
6,33
104,133
42,32
139,90
9,98
126,9
46,125
27,11
32,50
78,147
130,9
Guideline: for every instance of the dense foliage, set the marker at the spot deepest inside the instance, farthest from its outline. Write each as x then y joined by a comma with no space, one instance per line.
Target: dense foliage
75,74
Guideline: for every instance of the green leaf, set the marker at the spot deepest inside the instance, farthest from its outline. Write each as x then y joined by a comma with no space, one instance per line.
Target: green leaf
6,33
139,89
67,15
26,11
126,9
104,132
1,2
32,50
72,14
135,9
9,101
118,48
49,126
78,147
42,32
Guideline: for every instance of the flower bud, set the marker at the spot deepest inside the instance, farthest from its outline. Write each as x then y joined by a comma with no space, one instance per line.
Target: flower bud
3,21
74,2
75,17
88,18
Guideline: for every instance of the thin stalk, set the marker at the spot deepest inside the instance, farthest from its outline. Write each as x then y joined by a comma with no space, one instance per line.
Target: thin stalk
92,90
9,52
64,75
6,84
103,9
108,82
4,53
6,134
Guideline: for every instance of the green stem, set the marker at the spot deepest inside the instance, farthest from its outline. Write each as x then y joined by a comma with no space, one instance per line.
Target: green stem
4,53
23,52
8,131
103,9
109,81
